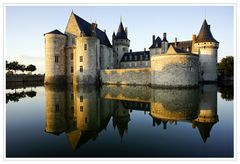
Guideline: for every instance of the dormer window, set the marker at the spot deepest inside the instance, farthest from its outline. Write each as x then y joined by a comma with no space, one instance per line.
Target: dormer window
135,57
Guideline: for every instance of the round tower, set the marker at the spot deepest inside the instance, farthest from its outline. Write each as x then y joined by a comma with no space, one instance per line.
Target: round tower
121,44
207,47
55,67
208,115
55,109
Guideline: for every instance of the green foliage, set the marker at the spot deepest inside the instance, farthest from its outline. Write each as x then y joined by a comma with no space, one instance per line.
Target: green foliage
226,92
225,67
19,95
31,68
15,66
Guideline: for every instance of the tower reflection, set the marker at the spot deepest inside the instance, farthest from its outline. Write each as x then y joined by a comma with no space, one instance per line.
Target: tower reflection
82,112
207,116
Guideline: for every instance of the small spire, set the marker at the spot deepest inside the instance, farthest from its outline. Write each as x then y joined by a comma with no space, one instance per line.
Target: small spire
121,19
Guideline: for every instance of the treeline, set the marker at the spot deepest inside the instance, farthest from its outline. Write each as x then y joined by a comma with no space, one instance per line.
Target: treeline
19,95
15,66
226,67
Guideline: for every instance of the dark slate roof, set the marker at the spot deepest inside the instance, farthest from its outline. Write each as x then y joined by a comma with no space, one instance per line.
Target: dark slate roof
86,28
121,34
184,45
204,129
164,39
205,34
55,32
178,50
135,56
157,43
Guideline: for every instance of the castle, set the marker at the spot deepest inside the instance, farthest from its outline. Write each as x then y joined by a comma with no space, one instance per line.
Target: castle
84,55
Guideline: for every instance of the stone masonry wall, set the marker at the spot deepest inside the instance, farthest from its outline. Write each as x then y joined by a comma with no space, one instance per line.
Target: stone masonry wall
174,70
139,76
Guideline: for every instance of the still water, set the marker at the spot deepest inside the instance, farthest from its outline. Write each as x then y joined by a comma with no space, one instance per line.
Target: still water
114,121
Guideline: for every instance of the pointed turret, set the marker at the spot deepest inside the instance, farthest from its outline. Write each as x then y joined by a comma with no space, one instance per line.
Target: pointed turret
206,46
121,44
205,34
121,33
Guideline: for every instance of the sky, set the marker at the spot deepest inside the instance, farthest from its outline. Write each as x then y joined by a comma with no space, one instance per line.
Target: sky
25,26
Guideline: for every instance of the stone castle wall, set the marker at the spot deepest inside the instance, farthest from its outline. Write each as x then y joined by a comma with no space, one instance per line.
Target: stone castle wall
90,60
174,70
55,66
208,60
106,57
139,76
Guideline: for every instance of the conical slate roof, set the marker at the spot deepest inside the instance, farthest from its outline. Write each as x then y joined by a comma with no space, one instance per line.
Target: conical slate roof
205,34
157,43
121,34
55,32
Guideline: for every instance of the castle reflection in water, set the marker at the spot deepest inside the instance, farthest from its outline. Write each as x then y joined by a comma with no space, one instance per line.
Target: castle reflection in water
82,112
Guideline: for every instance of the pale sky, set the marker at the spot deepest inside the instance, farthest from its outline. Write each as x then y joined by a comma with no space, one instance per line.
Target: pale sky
25,26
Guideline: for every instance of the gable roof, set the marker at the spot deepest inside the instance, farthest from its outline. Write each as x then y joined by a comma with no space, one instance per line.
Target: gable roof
85,27
184,45
56,31
121,33
175,50
157,43
205,34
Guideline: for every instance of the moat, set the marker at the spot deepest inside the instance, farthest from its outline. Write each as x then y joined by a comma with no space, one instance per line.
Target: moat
114,121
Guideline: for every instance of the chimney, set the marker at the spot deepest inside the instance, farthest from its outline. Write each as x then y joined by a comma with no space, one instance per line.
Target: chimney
130,50
165,35
194,37
209,27
126,31
144,49
153,38
104,30
94,27
175,42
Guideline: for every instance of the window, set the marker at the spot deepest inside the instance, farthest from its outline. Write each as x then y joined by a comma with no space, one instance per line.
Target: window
56,107
81,58
85,46
56,59
81,98
85,119
81,68
71,69
135,57
71,56
81,108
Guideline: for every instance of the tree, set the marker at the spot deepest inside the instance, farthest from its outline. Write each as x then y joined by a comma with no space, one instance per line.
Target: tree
13,66
31,68
22,67
225,67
